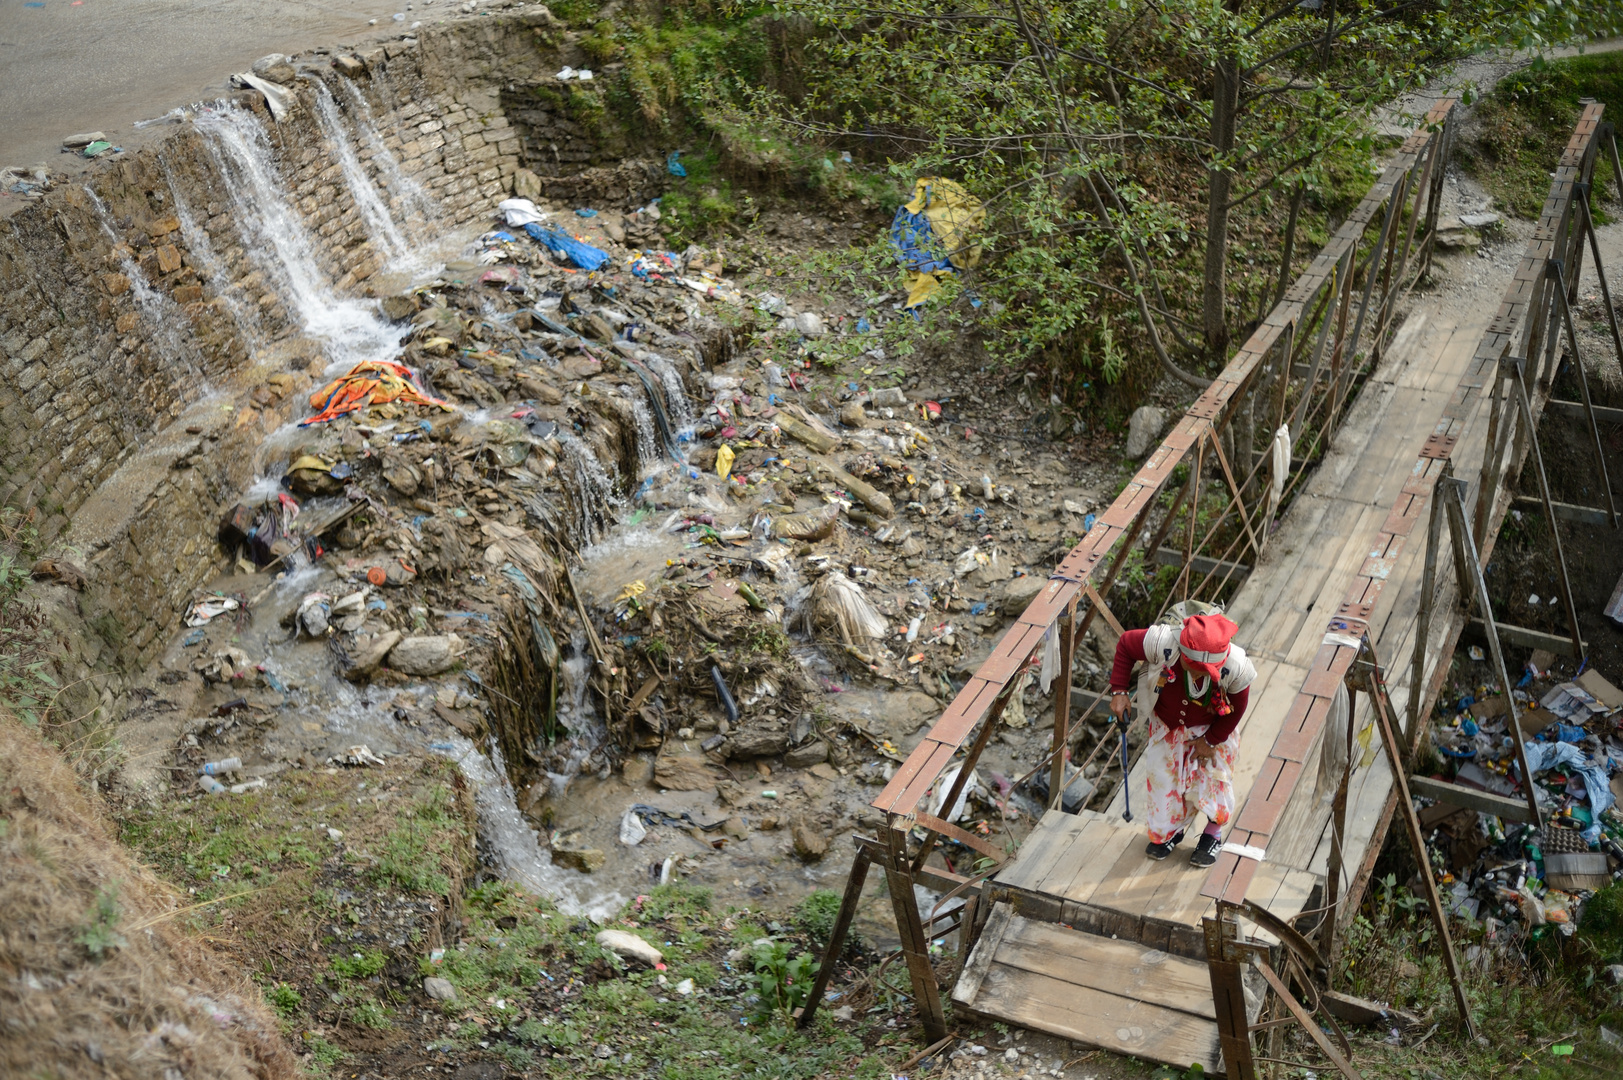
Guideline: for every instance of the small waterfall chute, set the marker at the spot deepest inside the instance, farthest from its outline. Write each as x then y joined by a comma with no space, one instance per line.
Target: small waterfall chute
385,235
162,316
417,206
591,488
246,316
279,244
676,398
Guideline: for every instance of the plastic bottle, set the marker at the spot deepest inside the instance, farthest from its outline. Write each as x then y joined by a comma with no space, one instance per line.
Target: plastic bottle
225,765
210,785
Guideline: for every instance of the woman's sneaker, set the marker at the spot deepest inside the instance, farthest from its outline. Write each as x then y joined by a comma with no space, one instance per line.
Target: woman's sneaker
1162,850
1205,853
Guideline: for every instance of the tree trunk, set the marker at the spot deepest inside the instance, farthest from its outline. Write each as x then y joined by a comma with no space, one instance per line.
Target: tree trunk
1225,103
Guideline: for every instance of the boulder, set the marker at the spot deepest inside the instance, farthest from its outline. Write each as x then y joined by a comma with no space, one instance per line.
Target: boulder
628,946
399,308
369,654
809,841
1143,429
572,853
804,757
275,68
439,989
888,396
757,741
810,324
683,772
852,415
425,655
903,712
1018,593
526,185
1458,237
79,142
350,65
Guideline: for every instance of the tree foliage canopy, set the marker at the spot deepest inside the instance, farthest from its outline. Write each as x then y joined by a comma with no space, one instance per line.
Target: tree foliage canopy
1100,137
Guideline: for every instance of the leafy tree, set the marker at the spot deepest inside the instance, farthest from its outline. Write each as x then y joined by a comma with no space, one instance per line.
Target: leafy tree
1105,135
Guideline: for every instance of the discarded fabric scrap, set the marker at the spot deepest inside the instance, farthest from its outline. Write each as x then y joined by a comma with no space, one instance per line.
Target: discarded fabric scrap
373,382
930,233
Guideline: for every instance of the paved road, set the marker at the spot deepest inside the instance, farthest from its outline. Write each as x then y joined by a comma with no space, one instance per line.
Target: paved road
101,65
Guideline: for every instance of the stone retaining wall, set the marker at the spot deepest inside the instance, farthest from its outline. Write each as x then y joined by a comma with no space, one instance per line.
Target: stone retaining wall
127,430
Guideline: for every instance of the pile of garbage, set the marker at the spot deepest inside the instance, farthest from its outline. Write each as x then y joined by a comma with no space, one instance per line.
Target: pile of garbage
607,505
1511,873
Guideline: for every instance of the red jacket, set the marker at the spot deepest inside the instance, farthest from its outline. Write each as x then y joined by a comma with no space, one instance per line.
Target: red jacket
1173,705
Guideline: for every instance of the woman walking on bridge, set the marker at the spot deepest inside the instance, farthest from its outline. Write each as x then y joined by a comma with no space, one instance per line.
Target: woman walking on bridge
1201,683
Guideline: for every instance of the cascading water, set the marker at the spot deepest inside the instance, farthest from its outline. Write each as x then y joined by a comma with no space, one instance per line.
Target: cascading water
512,844
280,246
162,315
587,733
380,225
649,448
415,205
202,248
593,489
676,399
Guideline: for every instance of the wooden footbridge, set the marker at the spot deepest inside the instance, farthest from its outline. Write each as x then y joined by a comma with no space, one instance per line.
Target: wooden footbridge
1348,607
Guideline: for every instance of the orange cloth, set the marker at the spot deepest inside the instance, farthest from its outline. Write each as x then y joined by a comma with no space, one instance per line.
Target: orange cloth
373,382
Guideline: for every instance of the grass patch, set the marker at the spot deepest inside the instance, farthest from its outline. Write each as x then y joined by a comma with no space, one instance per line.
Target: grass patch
531,980
1528,990
1526,122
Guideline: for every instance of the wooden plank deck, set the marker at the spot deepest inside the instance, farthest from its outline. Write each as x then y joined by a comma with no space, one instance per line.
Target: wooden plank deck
1114,994
1097,860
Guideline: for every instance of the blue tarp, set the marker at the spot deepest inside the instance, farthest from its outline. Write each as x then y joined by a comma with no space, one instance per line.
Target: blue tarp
554,239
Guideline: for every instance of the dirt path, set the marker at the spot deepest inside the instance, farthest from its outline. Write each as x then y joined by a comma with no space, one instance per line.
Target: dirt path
1479,74
79,65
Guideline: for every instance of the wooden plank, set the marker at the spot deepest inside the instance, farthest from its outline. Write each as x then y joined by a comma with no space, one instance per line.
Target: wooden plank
1521,635
1116,967
1584,515
1471,798
1096,1018
1067,854
1034,860
980,959
1576,408
1094,858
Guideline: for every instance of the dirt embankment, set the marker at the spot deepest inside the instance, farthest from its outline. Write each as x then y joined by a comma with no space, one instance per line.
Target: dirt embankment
98,975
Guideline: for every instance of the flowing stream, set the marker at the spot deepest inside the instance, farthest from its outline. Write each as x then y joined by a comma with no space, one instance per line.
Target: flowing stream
397,214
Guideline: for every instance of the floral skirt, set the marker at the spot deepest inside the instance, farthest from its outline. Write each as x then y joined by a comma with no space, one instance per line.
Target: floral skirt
1178,781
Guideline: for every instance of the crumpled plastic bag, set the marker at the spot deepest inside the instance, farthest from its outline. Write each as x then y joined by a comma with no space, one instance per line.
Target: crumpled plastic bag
838,605
812,525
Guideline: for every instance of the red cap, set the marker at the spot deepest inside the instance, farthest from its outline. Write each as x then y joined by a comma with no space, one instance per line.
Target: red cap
1204,643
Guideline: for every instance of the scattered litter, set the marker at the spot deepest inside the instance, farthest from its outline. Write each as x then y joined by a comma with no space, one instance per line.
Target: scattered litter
204,610
358,756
